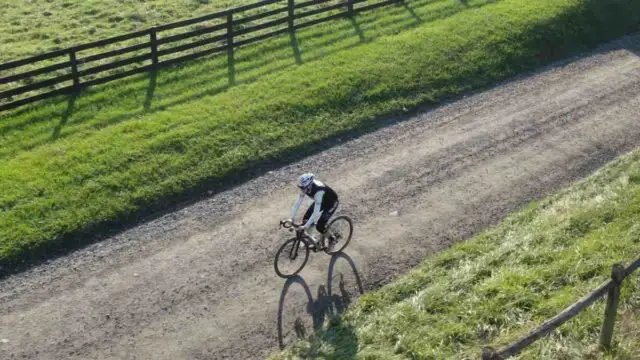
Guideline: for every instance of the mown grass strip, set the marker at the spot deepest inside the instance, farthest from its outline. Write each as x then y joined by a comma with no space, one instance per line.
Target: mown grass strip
111,156
66,23
506,281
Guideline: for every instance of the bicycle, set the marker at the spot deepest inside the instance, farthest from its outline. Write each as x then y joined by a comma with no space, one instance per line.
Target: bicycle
291,248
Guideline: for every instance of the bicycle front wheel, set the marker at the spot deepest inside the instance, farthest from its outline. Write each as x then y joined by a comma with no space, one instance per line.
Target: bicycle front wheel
291,258
340,230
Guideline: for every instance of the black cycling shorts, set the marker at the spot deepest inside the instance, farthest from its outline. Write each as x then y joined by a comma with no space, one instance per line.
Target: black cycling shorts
324,217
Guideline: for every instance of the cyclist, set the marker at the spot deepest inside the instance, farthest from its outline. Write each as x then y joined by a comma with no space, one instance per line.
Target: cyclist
325,203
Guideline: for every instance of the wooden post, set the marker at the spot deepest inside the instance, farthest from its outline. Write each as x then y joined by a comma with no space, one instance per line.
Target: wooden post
606,335
488,353
230,59
350,7
74,69
154,46
292,6
553,323
230,31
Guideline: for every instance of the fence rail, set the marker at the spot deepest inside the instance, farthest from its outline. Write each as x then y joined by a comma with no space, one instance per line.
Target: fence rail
223,37
611,288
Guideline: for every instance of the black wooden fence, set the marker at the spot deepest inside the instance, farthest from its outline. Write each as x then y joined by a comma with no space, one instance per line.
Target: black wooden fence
610,288
223,36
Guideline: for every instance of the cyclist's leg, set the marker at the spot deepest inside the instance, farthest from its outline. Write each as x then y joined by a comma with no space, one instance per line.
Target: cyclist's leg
321,226
307,216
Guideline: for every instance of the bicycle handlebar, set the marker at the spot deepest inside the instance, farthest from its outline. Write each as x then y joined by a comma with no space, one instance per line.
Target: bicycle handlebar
289,224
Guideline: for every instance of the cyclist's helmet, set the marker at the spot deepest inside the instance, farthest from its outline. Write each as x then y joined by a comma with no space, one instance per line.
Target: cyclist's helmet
305,180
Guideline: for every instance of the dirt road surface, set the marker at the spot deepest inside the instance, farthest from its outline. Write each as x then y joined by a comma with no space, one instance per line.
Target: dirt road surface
199,283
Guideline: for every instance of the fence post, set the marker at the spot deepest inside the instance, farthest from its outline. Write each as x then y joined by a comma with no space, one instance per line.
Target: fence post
617,274
230,59
230,31
350,7
292,6
153,37
74,69
488,353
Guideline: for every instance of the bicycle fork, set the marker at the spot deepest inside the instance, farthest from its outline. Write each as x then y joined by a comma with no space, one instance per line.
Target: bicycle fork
293,254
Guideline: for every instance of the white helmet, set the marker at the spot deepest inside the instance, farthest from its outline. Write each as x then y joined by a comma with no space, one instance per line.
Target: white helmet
305,180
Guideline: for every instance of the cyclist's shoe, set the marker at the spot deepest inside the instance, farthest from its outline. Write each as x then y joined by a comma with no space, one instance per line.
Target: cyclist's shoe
312,245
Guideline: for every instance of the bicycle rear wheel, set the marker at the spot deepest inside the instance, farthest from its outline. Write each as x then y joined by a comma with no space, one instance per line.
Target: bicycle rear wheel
291,258
341,228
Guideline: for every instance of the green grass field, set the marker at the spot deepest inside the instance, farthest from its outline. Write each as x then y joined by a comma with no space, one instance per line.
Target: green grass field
505,282
70,167
32,27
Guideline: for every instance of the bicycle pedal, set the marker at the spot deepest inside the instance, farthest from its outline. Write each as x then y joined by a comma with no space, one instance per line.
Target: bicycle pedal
316,248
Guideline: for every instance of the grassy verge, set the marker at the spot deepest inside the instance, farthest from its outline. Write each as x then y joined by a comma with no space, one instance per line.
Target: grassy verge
506,281
110,154
31,27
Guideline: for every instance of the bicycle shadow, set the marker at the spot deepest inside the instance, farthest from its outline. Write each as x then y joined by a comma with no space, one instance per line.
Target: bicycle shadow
342,286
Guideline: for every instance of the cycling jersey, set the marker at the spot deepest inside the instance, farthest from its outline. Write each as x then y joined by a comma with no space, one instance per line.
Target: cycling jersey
324,204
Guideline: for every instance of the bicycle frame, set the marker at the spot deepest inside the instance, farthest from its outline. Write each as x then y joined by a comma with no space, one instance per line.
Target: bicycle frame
293,254
291,247
300,235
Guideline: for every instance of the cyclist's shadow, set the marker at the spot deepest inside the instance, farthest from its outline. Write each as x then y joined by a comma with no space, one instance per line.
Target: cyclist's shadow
343,284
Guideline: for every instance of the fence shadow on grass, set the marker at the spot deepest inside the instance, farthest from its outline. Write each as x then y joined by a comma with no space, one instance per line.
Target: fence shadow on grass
151,89
294,46
71,102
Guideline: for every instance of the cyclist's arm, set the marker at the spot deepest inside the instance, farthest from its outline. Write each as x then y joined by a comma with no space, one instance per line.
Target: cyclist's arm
316,209
296,206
